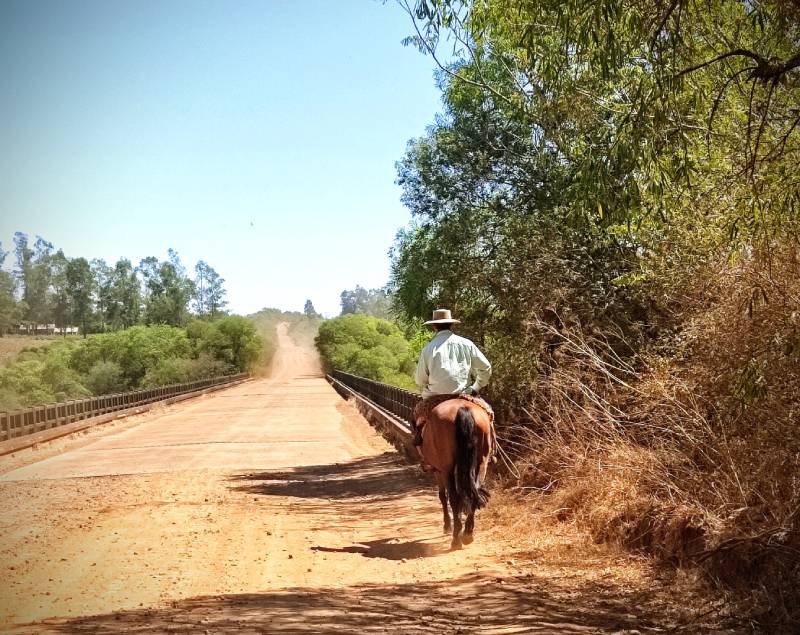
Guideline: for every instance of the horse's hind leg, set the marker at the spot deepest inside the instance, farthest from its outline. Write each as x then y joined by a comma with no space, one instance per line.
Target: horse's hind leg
469,528
455,503
445,511
443,499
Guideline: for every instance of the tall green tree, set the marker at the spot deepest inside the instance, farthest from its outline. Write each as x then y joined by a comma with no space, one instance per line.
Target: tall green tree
148,271
80,290
24,270
216,293
374,302
200,287
9,310
119,294
60,301
125,295
103,284
209,291
309,310
167,290
34,272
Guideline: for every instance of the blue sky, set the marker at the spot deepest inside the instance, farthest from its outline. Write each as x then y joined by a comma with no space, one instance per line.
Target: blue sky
260,136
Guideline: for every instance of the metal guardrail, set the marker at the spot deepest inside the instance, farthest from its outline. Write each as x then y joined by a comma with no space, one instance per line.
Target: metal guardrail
396,400
22,422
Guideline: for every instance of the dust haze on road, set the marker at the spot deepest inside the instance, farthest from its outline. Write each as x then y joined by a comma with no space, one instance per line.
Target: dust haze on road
273,506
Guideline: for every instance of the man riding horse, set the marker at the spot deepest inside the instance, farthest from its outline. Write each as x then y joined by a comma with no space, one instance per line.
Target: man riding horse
454,427
449,366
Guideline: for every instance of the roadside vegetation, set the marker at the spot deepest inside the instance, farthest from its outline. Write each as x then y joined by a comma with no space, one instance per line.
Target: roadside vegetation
367,339
142,326
369,347
138,357
609,201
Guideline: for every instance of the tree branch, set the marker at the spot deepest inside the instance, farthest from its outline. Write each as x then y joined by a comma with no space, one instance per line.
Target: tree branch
431,51
764,69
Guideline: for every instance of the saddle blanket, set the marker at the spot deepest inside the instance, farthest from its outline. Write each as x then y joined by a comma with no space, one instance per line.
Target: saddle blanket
424,406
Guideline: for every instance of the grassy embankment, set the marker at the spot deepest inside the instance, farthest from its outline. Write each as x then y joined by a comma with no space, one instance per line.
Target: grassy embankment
12,345
138,357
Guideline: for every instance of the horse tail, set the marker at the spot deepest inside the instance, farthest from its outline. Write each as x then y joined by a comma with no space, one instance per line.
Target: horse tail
468,489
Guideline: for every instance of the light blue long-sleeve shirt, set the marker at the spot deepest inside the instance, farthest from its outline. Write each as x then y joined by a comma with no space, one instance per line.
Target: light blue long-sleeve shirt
448,364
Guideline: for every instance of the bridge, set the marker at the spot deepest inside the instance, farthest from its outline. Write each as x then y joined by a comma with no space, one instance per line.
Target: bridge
272,506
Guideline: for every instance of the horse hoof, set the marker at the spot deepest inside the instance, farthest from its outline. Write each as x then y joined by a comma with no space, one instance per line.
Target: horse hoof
467,539
455,546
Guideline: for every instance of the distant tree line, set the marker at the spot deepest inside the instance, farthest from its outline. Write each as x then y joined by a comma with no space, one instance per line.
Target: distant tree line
47,287
374,302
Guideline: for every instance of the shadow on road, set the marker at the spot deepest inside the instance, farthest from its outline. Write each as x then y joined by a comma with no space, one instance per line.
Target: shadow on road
474,603
379,477
389,549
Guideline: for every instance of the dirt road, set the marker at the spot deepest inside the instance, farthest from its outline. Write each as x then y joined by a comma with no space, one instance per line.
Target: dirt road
274,507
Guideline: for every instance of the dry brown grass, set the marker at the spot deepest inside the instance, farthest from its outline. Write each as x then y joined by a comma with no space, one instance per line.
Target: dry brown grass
690,453
12,345
565,555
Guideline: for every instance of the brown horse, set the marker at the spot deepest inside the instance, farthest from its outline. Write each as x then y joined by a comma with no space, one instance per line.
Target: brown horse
457,443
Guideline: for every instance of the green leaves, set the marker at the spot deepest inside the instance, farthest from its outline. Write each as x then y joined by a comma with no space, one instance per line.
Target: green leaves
638,102
367,346
130,359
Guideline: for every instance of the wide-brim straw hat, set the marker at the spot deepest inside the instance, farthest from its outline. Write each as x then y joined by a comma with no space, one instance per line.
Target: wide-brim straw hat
443,316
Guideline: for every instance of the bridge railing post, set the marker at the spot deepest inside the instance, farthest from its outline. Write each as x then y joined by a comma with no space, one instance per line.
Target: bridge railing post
397,401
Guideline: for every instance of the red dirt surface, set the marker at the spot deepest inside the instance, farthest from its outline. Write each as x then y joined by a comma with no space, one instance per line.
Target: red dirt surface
274,507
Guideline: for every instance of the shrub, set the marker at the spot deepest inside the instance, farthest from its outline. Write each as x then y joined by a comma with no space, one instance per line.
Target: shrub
35,381
136,350
21,385
366,346
181,370
205,367
105,377
232,340
167,371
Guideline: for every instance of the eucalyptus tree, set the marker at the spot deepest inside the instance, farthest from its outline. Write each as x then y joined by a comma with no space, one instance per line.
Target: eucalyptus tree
9,310
34,272
374,302
167,290
125,294
309,310
209,292
80,290
102,275
659,108
59,297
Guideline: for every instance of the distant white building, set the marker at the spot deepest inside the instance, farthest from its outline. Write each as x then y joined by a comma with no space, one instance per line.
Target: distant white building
46,329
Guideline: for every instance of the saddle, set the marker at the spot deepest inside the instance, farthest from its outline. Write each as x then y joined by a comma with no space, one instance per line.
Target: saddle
424,406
